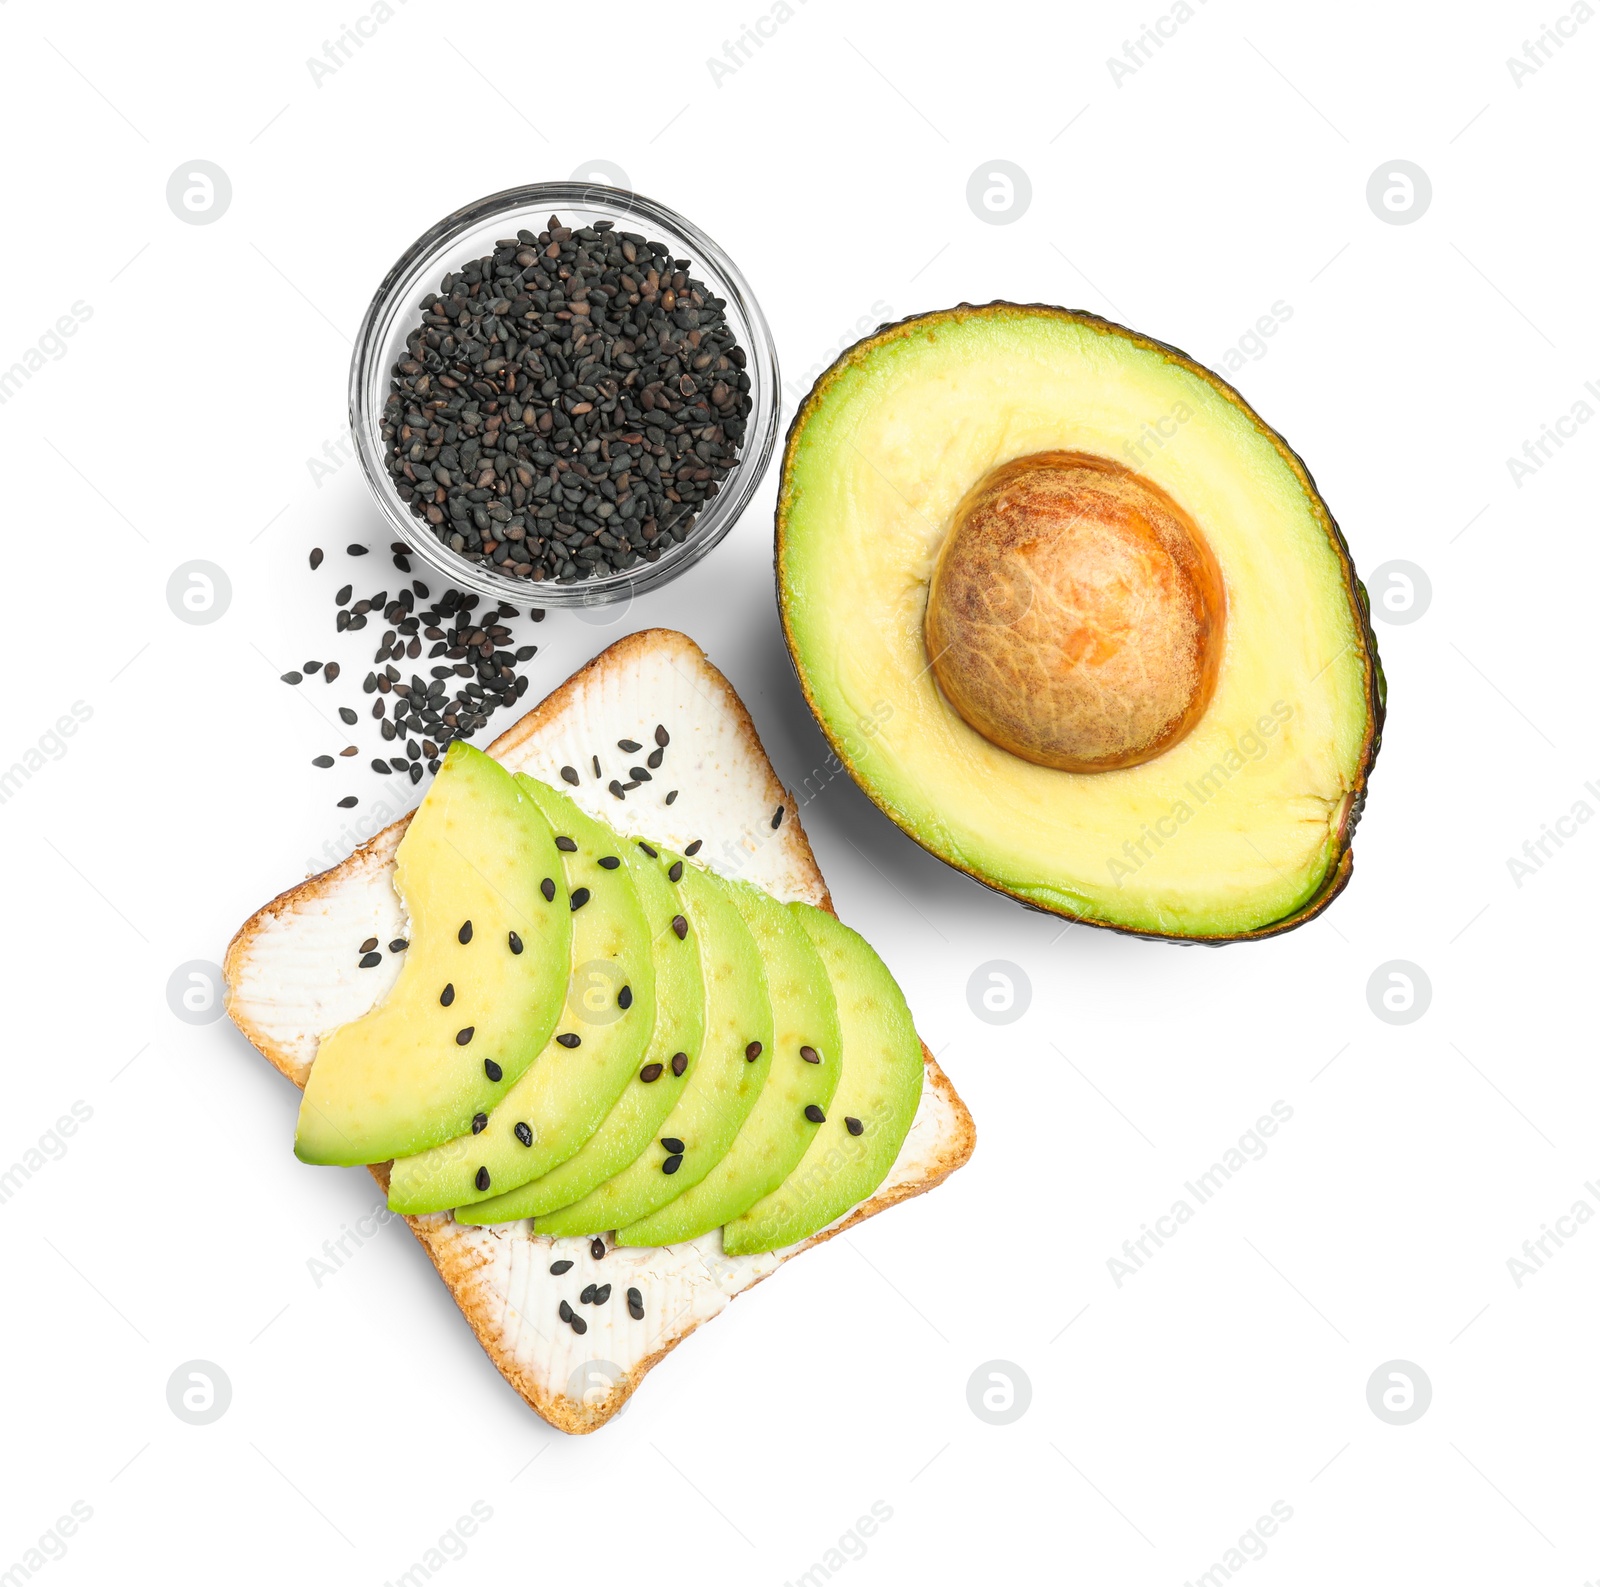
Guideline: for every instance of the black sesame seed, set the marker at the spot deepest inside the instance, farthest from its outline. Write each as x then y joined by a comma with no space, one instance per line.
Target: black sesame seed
672,1144
464,1035
650,1073
570,774
570,1039
680,1062
579,1326
448,996
815,1114
492,1069
610,863
342,598
628,746
514,942
638,774
693,849
399,945
616,789
635,1305
653,759
464,936
671,796
675,871
597,1248
558,1268
602,1294
811,1055
566,845
316,558
480,1122
369,944
522,1133
323,761
777,818
596,760
291,677
347,716
548,888
625,997
330,672
355,551
580,897
672,1164
563,1309
481,1178
587,1294
369,960
752,1052
663,737
680,926
854,1125
648,850
349,802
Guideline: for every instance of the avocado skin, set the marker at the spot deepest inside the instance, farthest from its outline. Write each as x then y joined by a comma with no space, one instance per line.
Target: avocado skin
1337,877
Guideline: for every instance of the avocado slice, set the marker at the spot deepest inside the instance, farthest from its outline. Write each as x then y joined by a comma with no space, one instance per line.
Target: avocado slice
562,1099
414,1071
1229,812
635,1119
793,1104
879,1086
723,1081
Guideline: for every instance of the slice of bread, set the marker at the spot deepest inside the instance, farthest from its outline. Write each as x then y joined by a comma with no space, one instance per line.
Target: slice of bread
292,977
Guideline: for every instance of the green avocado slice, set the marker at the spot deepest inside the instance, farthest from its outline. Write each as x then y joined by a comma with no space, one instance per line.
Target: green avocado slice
723,1083
547,1115
635,1119
805,1070
880,1084
402,1079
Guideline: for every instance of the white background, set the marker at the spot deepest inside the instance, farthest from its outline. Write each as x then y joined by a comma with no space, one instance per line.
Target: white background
1224,175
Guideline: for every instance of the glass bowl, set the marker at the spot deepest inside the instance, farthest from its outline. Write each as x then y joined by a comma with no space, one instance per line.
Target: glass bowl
472,232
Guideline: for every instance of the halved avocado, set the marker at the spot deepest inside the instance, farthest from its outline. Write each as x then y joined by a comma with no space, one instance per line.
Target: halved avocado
1077,620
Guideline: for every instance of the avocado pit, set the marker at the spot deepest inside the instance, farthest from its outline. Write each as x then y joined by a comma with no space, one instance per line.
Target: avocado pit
1075,613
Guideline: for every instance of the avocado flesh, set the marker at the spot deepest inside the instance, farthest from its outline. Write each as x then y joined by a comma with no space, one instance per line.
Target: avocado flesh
879,1084
397,1081
722,1083
566,1093
777,1132
634,1120
1240,828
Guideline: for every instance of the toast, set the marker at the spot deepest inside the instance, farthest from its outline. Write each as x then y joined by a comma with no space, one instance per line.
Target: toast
291,978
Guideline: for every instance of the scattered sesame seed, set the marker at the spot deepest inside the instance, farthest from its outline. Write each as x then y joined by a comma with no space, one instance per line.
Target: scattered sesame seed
481,1178
570,774
548,888
480,1122
448,996
464,1035
648,850
815,1114
811,1055
514,942
680,1062
635,1305
290,677
597,1248
580,897
625,997
854,1125
371,960
671,796
602,1294
349,802
650,1073
399,945
653,759
693,849
672,1164
672,1144
564,1310
322,762
558,1268
617,790
628,746
752,1052
522,1133
596,760
777,818
570,1039
465,934
566,845
316,558
492,1069
610,863
675,871
579,1326
663,737
587,1294
680,926
369,944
